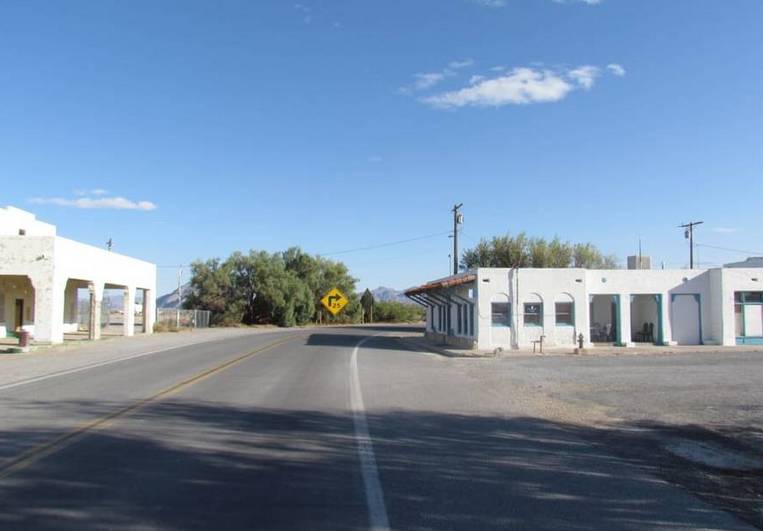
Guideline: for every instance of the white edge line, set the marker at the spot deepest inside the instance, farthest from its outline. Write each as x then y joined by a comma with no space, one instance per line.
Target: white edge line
377,510
100,364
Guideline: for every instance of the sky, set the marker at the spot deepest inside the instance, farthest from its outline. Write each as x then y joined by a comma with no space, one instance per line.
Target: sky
187,129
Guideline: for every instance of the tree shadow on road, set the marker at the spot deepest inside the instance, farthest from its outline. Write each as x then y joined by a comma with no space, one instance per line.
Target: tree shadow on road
183,464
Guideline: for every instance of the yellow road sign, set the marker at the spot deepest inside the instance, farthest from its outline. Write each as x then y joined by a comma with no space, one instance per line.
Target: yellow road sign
334,301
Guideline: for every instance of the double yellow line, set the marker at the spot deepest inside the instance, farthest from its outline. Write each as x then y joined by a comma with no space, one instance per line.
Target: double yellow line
31,456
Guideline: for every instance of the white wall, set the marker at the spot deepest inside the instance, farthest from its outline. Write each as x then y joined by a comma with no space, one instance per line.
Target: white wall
715,289
13,220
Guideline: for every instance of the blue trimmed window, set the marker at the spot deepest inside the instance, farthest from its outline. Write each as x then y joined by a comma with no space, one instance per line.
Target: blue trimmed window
500,314
533,314
565,314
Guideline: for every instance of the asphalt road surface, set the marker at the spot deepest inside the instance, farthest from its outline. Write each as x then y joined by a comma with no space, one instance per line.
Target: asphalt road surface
342,428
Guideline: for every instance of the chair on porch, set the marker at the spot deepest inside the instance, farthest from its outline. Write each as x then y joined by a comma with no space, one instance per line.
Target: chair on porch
643,334
646,335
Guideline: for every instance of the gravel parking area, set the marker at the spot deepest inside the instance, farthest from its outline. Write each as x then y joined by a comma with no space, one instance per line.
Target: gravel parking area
689,418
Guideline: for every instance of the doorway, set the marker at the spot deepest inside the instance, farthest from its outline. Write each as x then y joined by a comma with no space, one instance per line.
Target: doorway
19,315
603,315
646,319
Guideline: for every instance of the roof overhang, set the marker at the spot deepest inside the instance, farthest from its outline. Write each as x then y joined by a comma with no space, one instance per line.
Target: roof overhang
443,283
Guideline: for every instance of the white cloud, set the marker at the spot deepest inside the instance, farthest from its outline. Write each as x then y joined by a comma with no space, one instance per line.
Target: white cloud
616,69
305,11
490,3
457,65
519,86
95,191
427,80
585,76
726,230
112,203
589,2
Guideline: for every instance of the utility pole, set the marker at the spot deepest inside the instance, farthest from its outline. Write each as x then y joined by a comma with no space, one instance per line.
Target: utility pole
689,235
458,219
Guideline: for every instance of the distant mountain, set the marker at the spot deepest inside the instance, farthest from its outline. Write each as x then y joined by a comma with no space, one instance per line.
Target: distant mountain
171,300
390,295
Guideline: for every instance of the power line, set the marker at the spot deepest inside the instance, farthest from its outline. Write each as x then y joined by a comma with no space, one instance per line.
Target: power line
750,253
386,244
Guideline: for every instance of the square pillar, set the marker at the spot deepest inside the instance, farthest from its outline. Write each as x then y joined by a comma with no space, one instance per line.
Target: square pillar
48,309
624,316
667,329
149,310
128,312
96,298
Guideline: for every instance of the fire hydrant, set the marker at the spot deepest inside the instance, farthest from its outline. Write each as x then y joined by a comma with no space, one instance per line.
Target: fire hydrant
23,338
580,341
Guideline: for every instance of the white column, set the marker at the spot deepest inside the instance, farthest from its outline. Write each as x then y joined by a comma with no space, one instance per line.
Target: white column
625,320
149,310
128,312
582,320
48,309
96,298
667,329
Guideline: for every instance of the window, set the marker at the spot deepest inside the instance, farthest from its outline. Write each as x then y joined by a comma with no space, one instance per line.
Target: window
458,318
564,314
22,232
753,296
501,314
533,314
739,320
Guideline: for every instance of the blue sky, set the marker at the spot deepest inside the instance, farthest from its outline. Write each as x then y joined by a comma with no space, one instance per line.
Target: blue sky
186,129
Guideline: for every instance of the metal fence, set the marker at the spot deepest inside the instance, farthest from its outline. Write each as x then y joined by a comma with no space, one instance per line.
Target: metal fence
183,318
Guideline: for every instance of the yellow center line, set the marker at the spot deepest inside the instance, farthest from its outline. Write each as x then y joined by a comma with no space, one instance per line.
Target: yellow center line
57,444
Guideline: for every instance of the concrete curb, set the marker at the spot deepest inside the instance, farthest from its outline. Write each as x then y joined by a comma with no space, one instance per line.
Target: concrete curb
423,344
442,350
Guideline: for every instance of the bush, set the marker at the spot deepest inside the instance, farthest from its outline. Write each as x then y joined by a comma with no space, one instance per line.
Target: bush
398,312
164,326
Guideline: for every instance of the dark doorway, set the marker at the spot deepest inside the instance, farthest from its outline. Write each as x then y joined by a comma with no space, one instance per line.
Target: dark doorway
603,313
19,315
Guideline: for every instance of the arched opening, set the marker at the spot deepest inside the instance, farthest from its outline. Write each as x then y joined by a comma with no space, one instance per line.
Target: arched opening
17,308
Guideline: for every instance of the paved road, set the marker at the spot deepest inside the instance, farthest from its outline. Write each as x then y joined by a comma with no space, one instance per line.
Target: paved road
330,429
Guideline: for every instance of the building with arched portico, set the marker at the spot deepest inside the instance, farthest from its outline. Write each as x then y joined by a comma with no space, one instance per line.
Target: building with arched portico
48,282
489,308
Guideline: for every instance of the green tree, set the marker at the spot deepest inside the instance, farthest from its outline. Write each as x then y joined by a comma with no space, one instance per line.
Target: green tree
521,251
398,312
262,288
367,303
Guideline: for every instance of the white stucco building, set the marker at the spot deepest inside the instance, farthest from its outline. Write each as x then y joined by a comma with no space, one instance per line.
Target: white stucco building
489,308
41,274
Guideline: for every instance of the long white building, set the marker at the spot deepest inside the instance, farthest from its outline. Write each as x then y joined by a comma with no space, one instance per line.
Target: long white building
488,308
41,274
